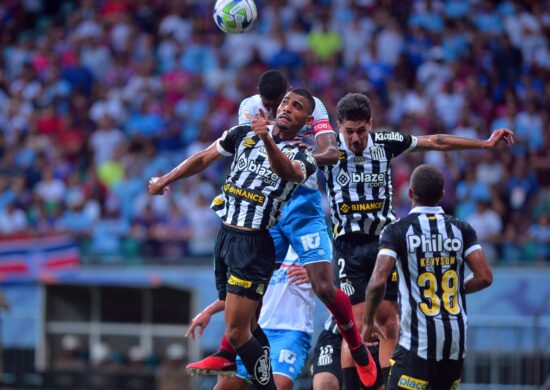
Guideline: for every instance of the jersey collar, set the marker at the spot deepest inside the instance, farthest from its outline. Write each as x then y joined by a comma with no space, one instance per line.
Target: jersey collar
427,210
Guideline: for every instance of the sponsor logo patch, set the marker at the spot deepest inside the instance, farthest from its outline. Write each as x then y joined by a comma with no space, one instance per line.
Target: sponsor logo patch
357,207
235,281
434,243
311,241
248,143
249,195
388,136
410,383
342,154
262,368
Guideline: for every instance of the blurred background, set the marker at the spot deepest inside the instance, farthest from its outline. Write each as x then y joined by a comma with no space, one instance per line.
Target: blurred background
99,281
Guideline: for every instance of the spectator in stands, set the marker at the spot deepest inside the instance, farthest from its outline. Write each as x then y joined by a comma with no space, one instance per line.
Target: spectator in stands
172,374
70,359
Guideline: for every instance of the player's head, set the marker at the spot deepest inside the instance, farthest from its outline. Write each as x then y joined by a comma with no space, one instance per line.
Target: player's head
295,110
354,120
272,87
426,188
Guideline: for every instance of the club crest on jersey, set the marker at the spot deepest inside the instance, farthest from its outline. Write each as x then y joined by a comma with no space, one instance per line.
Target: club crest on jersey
377,153
347,288
325,355
290,152
388,136
410,383
248,143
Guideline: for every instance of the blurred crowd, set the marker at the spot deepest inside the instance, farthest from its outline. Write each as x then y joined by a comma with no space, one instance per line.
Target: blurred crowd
166,370
97,96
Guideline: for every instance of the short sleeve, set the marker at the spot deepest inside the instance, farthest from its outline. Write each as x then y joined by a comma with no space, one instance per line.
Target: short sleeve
321,123
389,241
469,238
246,111
309,165
228,142
396,142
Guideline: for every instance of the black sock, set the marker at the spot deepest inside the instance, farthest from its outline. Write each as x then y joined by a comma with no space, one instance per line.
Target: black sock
385,374
259,335
351,379
257,362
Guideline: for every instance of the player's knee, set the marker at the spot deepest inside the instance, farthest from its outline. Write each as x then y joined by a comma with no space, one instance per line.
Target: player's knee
237,335
324,289
391,329
325,381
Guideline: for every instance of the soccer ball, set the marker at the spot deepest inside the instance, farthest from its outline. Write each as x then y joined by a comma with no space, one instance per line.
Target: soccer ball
235,16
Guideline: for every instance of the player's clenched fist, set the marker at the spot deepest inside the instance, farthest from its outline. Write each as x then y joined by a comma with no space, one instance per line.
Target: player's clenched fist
156,186
259,124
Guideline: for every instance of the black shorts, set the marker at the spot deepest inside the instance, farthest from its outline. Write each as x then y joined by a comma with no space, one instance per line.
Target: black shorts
355,255
408,371
326,355
243,262
326,358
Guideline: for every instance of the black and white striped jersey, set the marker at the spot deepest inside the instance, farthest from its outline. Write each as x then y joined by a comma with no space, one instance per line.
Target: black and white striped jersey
253,195
430,248
359,186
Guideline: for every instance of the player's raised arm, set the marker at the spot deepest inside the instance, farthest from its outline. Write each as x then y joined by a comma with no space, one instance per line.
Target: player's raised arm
223,146
326,152
447,142
289,170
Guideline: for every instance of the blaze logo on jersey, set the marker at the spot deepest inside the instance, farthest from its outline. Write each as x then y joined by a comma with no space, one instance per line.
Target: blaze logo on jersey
287,356
434,243
343,178
311,241
325,355
410,383
388,136
248,143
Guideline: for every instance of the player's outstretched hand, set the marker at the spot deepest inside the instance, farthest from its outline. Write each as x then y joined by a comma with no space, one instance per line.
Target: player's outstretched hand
500,136
297,275
259,124
200,321
371,333
156,187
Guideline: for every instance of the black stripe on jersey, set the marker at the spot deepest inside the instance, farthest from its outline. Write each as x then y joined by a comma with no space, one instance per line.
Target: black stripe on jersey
375,192
415,224
446,319
430,321
438,271
344,189
251,211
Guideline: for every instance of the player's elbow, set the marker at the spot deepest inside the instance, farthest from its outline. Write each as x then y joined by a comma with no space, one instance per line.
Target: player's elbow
487,278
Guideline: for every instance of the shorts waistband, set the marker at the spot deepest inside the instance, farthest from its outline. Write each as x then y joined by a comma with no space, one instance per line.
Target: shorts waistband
234,230
368,238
